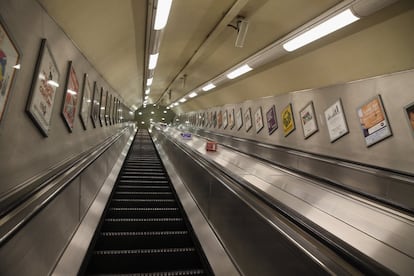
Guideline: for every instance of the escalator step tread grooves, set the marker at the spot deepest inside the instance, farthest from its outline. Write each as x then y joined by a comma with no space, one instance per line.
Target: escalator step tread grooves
143,232
167,273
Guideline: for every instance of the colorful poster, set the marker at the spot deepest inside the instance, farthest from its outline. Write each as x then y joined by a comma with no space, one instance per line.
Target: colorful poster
308,120
271,119
225,119
374,123
219,119
288,120
9,62
43,90
335,121
239,118
258,120
85,107
248,119
70,99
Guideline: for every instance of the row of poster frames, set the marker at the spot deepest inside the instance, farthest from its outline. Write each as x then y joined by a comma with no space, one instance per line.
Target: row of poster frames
372,118
97,105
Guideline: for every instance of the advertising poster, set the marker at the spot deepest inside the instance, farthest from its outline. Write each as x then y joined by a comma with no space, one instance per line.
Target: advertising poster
9,61
95,105
409,112
85,107
335,121
239,118
225,119
70,99
308,120
258,120
43,90
271,119
288,120
231,118
248,119
219,119
373,120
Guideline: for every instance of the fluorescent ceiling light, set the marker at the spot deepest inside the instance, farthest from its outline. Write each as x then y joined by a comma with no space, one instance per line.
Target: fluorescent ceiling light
147,91
176,104
161,16
331,25
192,95
140,113
183,100
165,111
70,91
149,81
153,61
17,66
208,87
239,71
146,98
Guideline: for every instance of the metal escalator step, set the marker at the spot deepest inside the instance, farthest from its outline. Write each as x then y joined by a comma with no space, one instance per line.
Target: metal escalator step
192,272
143,203
144,260
143,173
143,177
145,188
143,240
143,181
143,212
143,224
143,195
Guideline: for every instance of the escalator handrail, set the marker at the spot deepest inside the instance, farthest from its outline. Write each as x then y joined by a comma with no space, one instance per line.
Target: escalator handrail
22,204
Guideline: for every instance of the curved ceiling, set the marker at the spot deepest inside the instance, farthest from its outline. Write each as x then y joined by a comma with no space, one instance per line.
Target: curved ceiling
111,34
197,43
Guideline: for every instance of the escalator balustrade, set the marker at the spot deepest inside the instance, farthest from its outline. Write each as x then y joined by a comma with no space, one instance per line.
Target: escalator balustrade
144,229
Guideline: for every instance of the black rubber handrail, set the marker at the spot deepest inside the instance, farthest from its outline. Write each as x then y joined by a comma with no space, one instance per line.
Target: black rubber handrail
22,204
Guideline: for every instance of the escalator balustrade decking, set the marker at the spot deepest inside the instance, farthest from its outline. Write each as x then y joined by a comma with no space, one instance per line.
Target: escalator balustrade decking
143,231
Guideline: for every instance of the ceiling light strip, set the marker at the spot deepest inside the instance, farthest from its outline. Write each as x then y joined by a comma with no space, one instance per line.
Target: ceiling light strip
162,13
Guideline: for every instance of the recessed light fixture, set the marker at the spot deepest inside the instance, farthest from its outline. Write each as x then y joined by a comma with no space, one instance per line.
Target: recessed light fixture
193,94
161,16
153,61
331,25
239,71
149,81
208,87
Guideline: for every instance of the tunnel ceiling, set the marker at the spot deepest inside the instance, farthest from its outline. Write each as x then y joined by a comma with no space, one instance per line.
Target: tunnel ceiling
112,33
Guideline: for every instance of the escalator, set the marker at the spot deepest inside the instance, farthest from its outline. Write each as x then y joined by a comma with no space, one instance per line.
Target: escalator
144,230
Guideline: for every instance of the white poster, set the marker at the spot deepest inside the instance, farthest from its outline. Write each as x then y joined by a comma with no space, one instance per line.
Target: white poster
335,121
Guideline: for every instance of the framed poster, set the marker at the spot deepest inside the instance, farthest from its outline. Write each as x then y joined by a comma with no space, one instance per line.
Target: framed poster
225,119
231,118
70,97
214,119
248,119
43,89
271,119
409,112
102,104
95,105
258,120
85,107
9,62
308,120
335,121
219,119
239,118
373,120
288,120
108,110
